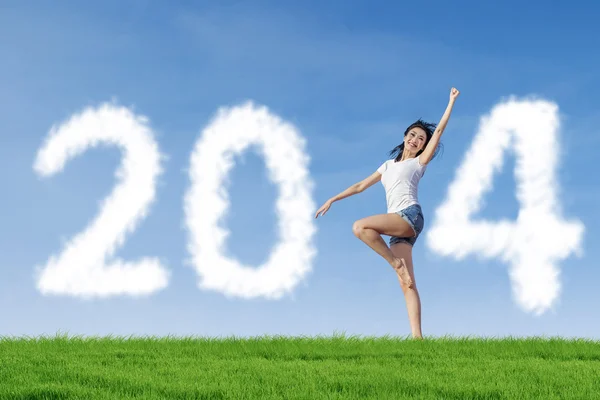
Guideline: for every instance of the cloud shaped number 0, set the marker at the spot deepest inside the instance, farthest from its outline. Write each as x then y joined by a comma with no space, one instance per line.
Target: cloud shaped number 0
206,202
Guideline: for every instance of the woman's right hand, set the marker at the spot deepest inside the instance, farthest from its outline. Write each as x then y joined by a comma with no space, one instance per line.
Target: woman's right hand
324,208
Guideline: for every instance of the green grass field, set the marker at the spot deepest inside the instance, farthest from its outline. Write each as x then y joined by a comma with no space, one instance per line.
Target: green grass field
337,367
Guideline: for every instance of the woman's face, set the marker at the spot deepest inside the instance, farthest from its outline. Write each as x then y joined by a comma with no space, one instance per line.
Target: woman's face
414,140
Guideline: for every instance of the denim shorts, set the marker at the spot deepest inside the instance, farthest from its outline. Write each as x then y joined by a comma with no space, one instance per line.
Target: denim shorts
414,216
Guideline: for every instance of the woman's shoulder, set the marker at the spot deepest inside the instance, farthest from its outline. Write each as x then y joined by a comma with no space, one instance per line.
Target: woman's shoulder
384,166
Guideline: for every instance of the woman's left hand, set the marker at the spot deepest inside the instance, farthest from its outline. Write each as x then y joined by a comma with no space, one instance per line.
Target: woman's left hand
454,93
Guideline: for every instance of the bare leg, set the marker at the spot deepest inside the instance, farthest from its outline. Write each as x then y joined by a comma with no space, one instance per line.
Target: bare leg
373,239
411,294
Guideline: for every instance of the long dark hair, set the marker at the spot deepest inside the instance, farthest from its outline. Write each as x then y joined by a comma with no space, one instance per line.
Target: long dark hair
428,127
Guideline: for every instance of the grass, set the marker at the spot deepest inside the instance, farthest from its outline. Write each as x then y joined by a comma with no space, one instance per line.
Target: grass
337,367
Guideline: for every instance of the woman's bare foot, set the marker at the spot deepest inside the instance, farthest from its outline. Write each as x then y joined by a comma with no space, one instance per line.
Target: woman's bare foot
400,266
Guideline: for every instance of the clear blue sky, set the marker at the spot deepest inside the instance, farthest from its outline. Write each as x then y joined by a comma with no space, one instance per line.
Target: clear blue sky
350,76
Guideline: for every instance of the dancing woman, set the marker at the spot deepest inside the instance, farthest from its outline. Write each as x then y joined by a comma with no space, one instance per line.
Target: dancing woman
404,220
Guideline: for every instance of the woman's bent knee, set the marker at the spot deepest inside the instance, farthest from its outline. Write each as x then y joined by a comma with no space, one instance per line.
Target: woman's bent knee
357,228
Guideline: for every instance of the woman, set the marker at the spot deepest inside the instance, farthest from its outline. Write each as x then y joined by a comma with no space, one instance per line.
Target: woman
404,221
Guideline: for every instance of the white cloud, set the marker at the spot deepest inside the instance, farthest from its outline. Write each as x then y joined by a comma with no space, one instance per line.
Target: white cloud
85,267
231,132
540,237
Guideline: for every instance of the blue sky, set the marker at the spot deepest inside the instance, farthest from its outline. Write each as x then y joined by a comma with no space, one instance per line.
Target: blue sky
350,77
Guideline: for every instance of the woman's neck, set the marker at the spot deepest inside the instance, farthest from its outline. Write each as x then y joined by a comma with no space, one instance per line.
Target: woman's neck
406,155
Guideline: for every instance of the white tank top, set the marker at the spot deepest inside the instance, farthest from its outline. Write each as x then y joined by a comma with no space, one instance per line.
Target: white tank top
400,181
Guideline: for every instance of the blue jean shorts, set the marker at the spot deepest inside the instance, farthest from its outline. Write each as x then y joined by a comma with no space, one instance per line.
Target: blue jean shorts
414,216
